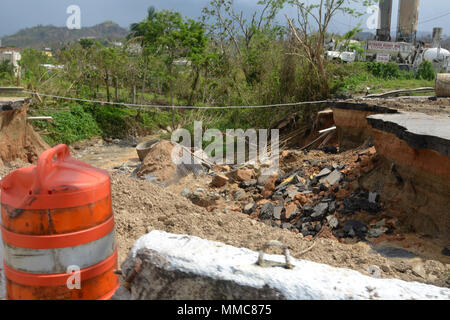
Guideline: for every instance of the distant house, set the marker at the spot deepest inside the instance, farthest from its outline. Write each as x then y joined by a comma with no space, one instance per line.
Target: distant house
182,62
48,52
13,56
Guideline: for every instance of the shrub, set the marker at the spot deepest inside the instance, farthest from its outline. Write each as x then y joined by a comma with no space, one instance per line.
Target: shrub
426,71
388,70
6,69
69,126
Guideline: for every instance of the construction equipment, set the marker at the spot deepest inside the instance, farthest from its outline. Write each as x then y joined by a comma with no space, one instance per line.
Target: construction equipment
58,230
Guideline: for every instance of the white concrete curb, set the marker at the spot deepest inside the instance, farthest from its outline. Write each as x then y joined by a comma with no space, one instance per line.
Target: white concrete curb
309,280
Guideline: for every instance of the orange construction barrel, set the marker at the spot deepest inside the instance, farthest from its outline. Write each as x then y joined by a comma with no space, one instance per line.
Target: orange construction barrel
57,229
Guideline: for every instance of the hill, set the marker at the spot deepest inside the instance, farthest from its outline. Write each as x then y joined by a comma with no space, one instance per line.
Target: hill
50,36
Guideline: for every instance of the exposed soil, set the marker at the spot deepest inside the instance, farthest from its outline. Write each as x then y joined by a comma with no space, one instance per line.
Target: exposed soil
141,207
18,140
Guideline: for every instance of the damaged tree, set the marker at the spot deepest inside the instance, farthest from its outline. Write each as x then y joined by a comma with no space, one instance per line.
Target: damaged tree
310,34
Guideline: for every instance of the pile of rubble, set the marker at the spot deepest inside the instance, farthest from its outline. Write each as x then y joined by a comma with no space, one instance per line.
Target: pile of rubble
322,195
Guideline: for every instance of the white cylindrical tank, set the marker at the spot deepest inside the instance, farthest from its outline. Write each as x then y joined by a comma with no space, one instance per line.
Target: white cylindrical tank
434,54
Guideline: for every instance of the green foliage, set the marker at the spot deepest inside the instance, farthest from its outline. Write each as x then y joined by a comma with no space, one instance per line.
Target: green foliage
355,78
227,58
388,70
6,69
426,71
69,126
32,70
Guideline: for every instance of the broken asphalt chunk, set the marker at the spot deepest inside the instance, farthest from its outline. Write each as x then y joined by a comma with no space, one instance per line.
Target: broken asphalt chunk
267,211
333,178
320,211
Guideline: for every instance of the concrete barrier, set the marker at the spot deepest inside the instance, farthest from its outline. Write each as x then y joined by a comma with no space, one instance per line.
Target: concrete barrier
167,266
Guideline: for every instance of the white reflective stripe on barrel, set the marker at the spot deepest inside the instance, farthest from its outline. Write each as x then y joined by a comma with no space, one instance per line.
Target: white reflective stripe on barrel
47,261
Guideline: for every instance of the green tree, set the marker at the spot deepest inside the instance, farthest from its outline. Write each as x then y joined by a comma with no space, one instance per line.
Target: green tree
317,17
169,37
244,31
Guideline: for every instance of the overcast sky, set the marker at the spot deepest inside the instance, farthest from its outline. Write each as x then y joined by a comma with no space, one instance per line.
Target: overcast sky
18,14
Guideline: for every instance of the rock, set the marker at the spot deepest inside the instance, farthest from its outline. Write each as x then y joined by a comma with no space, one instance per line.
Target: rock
380,223
333,222
332,207
203,199
287,226
269,187
219,180
356,204
446,252
375,233
291,192
248,183
239,195
185,192
277,196
333,178
244,174
221,168
373,196
355,228
249,208
301,198
318,227
267,211
351,233
418,270
262,179
320,211
324,173
308,209
277,211
290,212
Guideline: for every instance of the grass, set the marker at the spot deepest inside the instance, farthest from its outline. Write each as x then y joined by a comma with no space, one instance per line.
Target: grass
357,79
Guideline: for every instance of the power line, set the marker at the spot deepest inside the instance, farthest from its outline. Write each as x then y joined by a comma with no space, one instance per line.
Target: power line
136,106
432,19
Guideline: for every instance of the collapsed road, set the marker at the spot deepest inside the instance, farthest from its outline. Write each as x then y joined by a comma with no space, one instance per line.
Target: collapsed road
354,206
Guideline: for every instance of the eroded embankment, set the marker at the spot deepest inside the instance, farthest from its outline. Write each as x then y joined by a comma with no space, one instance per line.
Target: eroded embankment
414,174
18,140
351,122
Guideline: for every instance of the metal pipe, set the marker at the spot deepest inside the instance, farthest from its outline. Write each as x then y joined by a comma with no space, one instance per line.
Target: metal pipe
437,37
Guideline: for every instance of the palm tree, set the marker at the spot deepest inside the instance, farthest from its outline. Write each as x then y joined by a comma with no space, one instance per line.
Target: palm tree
138,29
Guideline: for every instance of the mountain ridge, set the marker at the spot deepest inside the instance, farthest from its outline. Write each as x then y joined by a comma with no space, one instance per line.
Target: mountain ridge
41,36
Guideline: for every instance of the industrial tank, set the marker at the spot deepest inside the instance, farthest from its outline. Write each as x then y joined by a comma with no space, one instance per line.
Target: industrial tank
408,16
435,54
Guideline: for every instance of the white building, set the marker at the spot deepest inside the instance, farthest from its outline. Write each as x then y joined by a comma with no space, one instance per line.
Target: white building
13,56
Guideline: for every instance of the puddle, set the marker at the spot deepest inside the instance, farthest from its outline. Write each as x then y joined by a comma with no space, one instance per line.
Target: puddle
394,252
